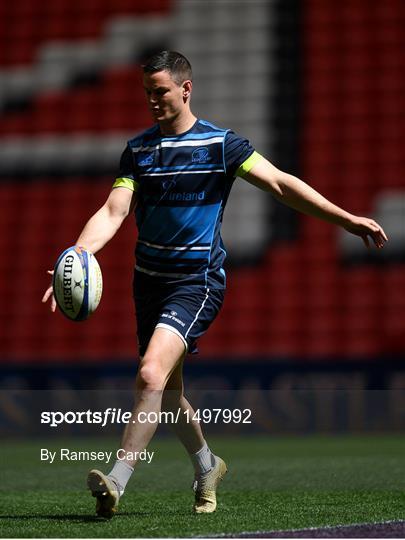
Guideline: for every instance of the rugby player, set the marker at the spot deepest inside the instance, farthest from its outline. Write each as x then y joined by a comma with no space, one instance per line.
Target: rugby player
177,176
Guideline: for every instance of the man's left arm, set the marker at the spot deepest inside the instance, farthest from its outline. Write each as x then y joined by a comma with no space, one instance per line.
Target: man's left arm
295,193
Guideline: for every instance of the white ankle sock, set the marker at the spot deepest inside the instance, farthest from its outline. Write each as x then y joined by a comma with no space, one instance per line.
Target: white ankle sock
120,474
203,460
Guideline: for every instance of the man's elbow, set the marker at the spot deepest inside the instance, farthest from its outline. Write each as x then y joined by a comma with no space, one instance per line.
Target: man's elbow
276,187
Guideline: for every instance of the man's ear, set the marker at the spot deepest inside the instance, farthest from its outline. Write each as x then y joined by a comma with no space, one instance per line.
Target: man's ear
187,88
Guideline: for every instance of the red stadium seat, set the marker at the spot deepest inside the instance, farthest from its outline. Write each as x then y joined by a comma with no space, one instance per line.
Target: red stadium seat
27,25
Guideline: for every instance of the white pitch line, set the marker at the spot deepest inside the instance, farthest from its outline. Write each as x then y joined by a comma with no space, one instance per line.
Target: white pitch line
244,534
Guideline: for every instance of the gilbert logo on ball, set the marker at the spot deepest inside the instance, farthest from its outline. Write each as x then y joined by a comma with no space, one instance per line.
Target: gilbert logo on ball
77,283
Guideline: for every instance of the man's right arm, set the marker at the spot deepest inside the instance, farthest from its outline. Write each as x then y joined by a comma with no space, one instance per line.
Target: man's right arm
103,225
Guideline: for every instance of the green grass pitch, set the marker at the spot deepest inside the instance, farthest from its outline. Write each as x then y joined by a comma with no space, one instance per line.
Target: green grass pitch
273,483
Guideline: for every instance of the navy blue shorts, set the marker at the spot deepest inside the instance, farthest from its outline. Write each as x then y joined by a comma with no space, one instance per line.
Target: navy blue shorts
185,310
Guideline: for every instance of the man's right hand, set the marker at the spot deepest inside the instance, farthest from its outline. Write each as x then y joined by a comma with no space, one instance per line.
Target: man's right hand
49,293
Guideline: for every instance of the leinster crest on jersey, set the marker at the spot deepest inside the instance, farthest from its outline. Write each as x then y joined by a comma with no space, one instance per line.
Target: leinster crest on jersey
200,155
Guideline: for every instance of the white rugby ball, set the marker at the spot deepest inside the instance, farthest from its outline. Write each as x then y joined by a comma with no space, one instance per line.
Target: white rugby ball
77,283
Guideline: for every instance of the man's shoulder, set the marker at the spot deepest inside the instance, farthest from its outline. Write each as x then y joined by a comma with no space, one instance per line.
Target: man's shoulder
208,129
146,137
204,125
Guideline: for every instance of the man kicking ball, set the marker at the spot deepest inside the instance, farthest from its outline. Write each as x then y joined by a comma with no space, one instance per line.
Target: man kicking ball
177,176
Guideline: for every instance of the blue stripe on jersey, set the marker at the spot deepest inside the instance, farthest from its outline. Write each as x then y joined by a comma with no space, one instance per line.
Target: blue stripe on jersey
181,225
188,137
213,126
196,136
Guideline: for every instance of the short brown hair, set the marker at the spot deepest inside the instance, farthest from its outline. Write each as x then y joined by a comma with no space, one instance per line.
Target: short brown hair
175,63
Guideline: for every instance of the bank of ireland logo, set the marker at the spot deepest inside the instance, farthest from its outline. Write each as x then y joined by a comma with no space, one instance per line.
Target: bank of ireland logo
200,155
146,160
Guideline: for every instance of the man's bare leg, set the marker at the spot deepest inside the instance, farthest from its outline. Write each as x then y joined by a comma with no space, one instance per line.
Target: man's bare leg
187,429
209,469
165,351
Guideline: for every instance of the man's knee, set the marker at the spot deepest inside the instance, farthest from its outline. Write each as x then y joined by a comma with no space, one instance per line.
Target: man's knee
150,377
160,360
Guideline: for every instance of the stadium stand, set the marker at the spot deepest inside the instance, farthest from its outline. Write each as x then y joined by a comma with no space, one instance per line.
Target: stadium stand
62,131
26,25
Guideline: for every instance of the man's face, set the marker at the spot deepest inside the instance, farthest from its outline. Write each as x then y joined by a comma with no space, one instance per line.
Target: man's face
166,99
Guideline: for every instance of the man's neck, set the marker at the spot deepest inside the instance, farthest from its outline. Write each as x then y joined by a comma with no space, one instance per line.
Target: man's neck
179,125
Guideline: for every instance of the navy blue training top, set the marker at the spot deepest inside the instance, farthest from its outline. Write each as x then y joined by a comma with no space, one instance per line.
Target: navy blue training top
182,184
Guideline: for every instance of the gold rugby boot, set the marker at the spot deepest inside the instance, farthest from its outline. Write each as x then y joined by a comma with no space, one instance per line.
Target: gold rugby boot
106,493
205,487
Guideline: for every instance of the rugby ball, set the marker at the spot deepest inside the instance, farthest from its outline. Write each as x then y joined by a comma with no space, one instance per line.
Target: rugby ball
77,283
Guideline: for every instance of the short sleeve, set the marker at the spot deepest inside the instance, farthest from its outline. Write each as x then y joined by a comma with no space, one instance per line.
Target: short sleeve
126,176
236,151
